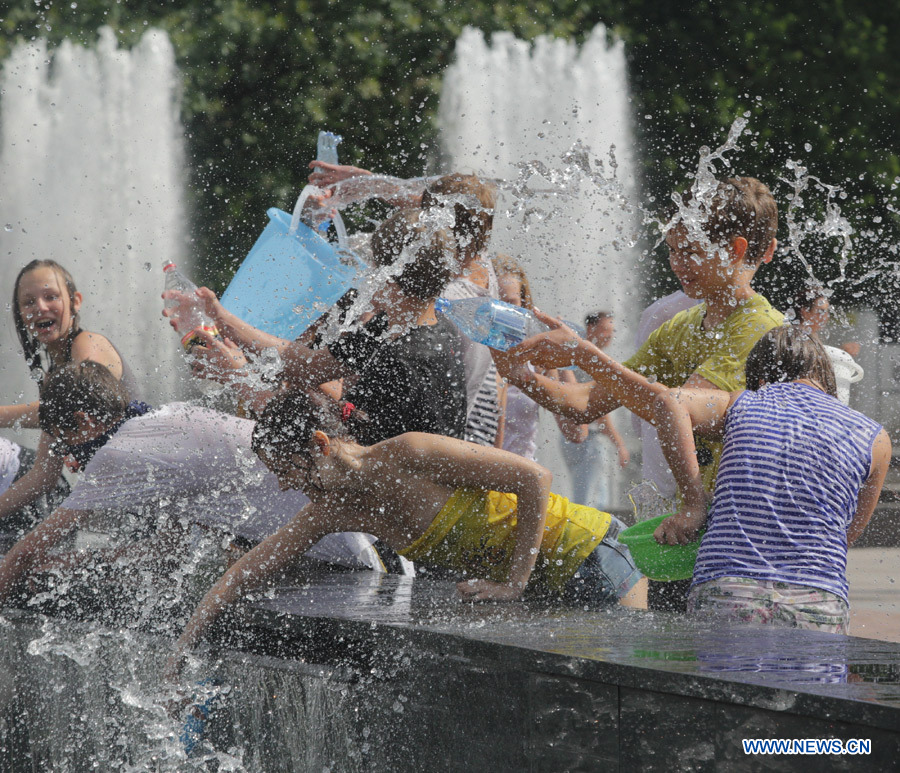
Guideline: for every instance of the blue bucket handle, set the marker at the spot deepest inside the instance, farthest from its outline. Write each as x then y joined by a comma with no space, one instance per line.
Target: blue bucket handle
312,190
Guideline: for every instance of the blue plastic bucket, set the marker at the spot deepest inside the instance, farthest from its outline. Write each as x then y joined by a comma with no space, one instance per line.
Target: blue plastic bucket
288,280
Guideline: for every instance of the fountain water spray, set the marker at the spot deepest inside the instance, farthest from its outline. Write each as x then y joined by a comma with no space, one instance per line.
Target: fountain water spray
554,120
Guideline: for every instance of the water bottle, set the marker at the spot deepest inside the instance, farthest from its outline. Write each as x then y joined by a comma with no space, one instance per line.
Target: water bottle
493,323
326,151
191,317
326,148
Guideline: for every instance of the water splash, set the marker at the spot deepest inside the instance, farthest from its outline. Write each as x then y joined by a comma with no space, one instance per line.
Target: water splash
693,214
833,224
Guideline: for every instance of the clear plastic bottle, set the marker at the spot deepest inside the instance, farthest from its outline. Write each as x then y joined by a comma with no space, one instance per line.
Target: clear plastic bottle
326,148
191,316
493,323
326,151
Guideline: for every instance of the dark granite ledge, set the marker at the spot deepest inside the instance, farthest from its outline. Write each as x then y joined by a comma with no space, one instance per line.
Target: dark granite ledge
388,623
366,672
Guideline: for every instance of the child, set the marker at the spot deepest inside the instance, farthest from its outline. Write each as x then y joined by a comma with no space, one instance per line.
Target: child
715,250
703,347
159,470
812,312
520,414
403,366
436,500
45,310
586,457
799,478
476,278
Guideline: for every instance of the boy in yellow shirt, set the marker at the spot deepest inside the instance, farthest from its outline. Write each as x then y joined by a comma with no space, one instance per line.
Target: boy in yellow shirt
715,246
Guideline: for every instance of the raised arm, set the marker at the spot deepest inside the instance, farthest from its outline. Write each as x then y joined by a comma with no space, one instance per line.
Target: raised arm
458,464
39,480
251,340
871,490
678,413
614,385
253,570
345,185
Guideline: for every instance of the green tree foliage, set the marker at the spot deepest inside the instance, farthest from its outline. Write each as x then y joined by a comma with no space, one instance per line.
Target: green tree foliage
261,79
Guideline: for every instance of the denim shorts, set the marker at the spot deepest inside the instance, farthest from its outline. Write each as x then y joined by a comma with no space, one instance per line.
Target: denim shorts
606,575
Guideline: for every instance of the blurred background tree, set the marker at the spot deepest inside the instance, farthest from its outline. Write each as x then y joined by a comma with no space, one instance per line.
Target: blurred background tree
260,81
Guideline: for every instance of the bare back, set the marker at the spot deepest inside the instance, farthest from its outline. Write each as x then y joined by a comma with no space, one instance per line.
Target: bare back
396,488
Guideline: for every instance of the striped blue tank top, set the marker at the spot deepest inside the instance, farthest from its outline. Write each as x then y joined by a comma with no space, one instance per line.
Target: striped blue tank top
793,464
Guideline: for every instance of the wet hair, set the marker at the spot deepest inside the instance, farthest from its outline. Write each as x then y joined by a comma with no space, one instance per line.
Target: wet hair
473,205
741,206
30,345
787,353
289,420
507,265
593,319
84,386
434,264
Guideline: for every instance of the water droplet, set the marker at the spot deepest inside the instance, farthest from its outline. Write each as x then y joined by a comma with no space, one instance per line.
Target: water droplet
807,147
7,227
148,267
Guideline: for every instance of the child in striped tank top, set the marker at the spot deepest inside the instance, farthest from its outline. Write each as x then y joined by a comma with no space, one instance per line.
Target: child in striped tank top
799,478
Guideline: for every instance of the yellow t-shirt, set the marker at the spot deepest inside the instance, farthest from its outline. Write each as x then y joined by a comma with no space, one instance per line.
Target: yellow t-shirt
680,347
475,532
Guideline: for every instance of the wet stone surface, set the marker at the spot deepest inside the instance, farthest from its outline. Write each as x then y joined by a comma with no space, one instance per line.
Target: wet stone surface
360,671
568,689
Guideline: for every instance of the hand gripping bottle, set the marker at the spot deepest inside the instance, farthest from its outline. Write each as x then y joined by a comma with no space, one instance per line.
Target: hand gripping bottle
190,316
493,323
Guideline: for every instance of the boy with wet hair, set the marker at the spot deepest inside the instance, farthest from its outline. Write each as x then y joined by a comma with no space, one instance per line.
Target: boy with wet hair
79,400
716,245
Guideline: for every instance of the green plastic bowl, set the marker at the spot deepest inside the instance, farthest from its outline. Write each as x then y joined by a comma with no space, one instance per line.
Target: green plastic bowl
659,562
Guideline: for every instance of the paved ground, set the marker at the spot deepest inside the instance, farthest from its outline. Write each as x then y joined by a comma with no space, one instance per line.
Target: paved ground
874,576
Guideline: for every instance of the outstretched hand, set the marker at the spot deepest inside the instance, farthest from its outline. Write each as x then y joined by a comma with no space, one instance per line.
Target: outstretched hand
185,303
682,528
554,349
324,174
217,359
487,590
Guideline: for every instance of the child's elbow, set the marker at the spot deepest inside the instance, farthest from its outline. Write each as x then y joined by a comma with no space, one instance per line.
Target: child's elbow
663,405
542,480
546,478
